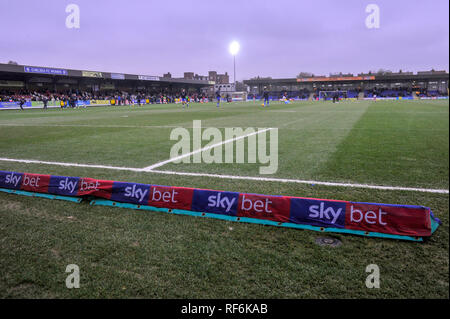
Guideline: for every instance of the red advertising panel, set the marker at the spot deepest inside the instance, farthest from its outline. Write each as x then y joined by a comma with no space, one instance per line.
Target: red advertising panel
275,208
95,187
389,219
170,197
35,183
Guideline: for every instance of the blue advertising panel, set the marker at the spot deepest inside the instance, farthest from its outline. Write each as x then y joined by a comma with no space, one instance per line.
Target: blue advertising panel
117,76
31,69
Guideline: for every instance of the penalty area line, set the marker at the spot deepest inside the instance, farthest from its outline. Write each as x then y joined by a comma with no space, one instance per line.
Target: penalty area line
170,160
235,177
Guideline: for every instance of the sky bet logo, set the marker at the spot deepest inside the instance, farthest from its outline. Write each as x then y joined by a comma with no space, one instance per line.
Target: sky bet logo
94,187
63,185
221,201
318,213
130,193
10,180
322,212
35,183
171,197
215,202
274,208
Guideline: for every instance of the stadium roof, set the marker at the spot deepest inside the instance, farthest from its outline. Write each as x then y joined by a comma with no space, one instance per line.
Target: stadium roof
10,71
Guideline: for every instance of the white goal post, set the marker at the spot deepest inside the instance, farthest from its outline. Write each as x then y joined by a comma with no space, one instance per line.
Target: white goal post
239,96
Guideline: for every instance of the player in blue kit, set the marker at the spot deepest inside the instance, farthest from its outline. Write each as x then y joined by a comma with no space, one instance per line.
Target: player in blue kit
184,99
266,97
218,98
21,103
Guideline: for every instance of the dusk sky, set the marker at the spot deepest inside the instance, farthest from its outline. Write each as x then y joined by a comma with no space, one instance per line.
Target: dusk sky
278,38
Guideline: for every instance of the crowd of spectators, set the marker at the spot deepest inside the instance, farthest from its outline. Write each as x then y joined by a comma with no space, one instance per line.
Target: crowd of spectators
170,95
403,92
353,93
163,96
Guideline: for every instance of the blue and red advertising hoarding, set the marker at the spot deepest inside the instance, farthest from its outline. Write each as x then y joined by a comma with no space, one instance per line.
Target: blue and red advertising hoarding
397,221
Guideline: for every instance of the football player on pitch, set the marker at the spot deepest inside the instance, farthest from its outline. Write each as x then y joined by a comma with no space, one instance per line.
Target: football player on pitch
184,99
266,97
218,98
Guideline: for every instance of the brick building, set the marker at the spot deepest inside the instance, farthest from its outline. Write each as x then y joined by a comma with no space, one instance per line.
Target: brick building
212,76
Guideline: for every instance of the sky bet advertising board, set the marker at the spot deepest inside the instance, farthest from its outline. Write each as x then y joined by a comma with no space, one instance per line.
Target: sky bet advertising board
369,219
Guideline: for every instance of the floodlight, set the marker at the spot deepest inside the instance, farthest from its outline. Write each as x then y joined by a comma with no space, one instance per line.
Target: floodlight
234,48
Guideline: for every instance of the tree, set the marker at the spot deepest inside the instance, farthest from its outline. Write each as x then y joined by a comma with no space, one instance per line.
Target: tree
384,72
261,78
305,75
240,86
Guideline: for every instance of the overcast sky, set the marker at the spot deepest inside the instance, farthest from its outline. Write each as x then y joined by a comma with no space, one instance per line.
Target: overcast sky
278,38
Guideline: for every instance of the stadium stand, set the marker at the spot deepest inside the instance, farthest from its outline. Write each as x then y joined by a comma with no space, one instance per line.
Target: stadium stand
36,84
391,85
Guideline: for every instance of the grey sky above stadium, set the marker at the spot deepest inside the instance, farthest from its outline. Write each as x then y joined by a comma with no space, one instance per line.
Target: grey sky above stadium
278,38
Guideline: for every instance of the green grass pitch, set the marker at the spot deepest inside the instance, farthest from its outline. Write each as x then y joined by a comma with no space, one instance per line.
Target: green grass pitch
137,254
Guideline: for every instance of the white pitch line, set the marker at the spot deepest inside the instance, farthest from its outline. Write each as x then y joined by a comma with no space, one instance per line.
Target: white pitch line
249,178
285,180
70,164
170,160
88,125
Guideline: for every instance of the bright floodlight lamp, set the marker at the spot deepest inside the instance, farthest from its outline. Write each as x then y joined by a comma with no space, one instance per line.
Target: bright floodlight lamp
234,48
